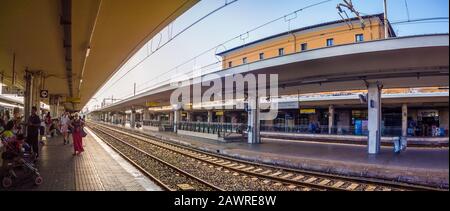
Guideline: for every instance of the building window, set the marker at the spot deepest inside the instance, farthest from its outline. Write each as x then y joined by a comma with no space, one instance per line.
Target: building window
281,52
359,38
304,46
261,56
330,42
230,64
244,60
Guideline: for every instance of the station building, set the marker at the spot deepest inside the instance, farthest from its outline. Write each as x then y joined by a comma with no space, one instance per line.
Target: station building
308,38
334,112
413,112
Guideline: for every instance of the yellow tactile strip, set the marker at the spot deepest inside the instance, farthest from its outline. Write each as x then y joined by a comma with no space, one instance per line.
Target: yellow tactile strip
86,175
94,171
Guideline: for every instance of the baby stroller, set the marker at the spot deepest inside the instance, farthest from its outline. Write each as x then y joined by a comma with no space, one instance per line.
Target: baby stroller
18,163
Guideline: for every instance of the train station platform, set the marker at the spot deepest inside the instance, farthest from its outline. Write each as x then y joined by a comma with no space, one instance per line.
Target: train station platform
99,168
423,166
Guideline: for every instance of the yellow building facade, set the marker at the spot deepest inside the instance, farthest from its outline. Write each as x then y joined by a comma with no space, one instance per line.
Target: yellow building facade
308,38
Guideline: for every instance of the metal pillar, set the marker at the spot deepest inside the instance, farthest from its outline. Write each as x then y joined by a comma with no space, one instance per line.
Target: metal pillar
331,119
254,124
405,120
222,118
36,89
188,116
374,106
234,118
133,119
386,22
176,120
171,118
146,115
210,116
158,117
28,95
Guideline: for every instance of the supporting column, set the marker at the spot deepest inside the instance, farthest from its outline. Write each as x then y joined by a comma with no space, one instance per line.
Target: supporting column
254,124
405,120
158,117
53,111
28,95
374,106
171,118
188,116
331,119
234,118
146,115
222,118
176,120
210,116
57,107
133,119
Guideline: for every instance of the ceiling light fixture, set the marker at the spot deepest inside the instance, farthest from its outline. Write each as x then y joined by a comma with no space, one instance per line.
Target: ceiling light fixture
88,52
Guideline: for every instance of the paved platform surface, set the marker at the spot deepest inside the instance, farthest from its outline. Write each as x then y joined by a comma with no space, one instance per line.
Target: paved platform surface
426,166
99,168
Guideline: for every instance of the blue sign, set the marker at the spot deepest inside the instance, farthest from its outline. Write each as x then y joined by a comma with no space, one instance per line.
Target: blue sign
358,127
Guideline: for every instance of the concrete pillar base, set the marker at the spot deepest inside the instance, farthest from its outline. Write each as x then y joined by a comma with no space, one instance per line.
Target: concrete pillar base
133,119
254,124
374,106
404,120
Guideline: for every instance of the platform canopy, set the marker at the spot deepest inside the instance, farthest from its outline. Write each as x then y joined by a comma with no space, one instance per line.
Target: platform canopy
403,62
77,44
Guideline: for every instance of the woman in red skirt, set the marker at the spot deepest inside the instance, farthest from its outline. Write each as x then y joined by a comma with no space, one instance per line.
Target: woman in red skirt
77,134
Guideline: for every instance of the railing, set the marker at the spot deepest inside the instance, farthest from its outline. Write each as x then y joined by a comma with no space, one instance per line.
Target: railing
155,123
222,129
387,131
226,129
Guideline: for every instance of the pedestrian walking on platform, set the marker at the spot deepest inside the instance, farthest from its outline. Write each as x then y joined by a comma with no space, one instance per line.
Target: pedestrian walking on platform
77,135
64,123
48,123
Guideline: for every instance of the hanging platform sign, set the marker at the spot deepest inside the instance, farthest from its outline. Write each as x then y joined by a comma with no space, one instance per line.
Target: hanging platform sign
152,104
308,111
44,94
73,100
12,90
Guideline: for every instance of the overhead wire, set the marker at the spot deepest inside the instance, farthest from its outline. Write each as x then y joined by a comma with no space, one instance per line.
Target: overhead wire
240,36
172,38
407,9
421,20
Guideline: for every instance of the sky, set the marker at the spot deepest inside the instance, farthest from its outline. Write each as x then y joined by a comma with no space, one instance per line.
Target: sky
148,67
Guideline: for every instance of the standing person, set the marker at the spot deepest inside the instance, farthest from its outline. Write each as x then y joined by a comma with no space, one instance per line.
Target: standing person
33,124
7,117
64,125
77,134
2,123
48,123
17,118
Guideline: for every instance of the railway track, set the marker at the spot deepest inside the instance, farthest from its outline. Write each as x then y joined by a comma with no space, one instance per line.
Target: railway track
166,175
265,177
